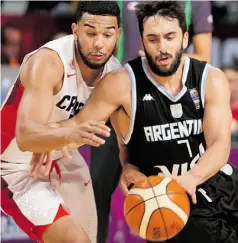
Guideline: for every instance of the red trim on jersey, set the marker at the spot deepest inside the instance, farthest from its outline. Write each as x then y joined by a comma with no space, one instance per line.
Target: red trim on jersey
10,207
40,230
9,115
55,166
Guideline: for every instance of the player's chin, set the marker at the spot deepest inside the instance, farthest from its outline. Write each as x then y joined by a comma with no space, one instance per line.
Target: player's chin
164,69
97,64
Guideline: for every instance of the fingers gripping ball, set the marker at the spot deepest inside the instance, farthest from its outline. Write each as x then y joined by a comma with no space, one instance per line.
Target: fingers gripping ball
157,208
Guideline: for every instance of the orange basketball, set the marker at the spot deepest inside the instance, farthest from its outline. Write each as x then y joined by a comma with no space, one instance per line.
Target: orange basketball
157,208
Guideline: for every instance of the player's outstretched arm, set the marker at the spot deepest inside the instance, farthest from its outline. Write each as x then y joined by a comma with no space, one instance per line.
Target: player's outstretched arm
216,125
41,77
111,92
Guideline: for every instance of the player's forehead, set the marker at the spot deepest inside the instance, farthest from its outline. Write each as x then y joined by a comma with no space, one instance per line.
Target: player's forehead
156,25
99,21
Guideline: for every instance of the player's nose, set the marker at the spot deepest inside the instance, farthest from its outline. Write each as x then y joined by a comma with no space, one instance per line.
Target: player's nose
161,46
98,44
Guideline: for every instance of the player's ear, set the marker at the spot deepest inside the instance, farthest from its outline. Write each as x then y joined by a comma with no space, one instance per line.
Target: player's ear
74,28
118,33
185,40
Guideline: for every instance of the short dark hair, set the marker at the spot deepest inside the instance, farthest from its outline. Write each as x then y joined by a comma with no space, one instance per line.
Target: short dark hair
104,8
170,9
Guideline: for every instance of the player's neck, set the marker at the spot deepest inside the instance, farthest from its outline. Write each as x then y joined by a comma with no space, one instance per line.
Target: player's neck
90,76
171,83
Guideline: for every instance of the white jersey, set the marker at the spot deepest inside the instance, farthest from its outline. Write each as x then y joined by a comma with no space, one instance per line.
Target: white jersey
67,102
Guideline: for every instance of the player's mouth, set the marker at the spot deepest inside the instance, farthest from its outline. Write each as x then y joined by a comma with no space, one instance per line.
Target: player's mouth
96,56
164,60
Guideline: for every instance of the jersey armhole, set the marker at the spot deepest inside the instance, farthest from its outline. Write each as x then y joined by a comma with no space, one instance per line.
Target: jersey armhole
203,84
133,103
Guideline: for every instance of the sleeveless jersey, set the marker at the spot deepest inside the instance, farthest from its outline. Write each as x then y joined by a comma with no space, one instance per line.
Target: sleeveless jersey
67,102
166,133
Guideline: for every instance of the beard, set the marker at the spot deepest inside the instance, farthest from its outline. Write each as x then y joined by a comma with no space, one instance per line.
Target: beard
91,64
163,72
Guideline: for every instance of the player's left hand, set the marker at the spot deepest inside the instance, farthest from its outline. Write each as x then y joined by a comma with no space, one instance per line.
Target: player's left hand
189,182
46,159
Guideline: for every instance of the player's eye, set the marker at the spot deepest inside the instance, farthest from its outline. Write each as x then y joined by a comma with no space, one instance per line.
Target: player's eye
108,35
91,34
169,38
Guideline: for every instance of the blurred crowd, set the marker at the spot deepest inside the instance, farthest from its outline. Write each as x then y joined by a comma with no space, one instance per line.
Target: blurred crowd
26,25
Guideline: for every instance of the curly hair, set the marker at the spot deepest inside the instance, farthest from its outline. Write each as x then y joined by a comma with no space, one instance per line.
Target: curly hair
169,9
104,8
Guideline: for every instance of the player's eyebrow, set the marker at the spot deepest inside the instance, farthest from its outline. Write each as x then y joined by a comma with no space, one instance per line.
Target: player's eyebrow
108,27
171,33
152,35
91,26
166,34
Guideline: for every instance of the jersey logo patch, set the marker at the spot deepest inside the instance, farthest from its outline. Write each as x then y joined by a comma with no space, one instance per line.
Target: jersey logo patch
86,183
195,97
148,97
176,110
70,75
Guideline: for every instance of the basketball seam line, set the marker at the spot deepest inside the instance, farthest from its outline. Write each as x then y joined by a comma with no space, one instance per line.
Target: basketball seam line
165,226
149,199
141,221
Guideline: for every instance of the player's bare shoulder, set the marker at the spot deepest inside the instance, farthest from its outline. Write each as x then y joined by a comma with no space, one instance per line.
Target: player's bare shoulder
216,83
46,65
216,73
117,81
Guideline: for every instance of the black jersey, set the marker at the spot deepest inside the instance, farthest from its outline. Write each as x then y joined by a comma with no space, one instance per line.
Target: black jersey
166,132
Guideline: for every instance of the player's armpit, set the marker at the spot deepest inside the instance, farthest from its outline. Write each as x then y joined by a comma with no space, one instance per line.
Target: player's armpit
216,126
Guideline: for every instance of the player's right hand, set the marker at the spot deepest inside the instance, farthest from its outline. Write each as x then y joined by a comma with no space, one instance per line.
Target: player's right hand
85,133
130,175
81,134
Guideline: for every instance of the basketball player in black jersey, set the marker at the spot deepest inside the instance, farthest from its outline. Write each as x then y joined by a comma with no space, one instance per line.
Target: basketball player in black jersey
172,115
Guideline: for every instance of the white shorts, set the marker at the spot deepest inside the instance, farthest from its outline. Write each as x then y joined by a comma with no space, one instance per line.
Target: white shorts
36,203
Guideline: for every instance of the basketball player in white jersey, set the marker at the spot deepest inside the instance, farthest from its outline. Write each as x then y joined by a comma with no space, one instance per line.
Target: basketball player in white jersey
54,83
166,108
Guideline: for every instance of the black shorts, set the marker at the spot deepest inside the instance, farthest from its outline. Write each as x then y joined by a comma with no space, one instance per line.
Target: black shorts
214,219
